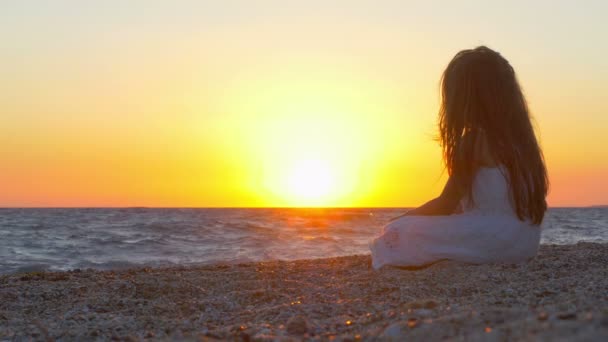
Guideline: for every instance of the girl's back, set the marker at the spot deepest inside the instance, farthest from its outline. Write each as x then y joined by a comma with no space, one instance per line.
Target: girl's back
494,200
490,193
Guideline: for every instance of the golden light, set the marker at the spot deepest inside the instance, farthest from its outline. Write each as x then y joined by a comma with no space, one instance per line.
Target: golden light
309,138
311,181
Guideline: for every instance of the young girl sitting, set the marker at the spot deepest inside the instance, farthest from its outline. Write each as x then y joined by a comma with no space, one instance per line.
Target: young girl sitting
494,200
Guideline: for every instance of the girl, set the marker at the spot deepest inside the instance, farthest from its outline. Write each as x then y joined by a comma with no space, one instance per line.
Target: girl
494,200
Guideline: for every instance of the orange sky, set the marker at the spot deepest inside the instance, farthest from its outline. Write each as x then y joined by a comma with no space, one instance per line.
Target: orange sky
260,103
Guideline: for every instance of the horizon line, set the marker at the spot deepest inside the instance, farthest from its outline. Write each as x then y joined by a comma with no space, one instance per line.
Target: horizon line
255,207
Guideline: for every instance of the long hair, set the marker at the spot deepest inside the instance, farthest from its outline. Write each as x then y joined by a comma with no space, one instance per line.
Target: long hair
480,95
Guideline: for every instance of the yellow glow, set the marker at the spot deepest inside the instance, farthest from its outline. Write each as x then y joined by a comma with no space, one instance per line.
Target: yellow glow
311,181
296,105
311,137
307,160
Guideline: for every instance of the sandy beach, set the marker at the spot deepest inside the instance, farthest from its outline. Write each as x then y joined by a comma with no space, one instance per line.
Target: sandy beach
560,295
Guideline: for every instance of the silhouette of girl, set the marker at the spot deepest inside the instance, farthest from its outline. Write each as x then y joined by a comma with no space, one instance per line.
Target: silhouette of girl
494,200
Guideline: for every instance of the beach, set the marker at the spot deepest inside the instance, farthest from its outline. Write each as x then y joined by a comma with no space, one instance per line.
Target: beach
562,294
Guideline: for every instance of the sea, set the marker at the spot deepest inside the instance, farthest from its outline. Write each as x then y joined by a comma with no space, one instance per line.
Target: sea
64,239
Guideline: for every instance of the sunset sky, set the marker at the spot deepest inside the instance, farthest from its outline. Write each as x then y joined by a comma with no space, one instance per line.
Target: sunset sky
278,103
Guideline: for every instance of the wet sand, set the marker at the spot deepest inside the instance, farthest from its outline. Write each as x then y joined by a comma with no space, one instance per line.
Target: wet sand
560,295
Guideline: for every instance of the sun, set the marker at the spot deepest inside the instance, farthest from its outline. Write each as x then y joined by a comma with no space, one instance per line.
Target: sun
311,181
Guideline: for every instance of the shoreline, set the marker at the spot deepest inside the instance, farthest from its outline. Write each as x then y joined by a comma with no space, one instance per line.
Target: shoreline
127,266
561,294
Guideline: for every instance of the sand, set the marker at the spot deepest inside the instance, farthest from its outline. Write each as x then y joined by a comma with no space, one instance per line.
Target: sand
560,295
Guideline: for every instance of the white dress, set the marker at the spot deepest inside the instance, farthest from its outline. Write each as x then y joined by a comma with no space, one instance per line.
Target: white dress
487,233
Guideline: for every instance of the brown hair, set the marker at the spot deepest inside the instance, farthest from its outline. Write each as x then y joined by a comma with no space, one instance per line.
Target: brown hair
480,95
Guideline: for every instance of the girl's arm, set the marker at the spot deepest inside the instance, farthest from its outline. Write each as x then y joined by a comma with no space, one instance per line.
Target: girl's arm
452,193
445,204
